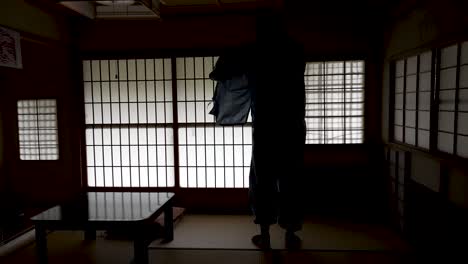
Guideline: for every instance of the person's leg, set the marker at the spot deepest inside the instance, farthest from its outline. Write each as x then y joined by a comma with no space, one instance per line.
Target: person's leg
290,212
262,240
290,209
263,197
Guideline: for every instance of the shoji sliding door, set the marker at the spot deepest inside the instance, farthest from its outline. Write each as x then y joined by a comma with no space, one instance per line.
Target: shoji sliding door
141,131
129,123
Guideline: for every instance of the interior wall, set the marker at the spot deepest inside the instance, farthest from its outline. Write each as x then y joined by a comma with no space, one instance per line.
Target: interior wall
345,177
458,186
171,34
22,16
329,33
2,177
443,187
46,73
425,170
430,25
18,15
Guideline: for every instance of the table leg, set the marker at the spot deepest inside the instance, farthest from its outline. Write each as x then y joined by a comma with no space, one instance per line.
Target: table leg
168,224
140,251
41,244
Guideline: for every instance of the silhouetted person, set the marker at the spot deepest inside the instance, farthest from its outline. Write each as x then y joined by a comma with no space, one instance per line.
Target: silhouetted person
268,79
278,110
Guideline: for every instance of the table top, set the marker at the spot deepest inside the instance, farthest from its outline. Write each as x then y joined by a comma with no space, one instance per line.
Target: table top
107,207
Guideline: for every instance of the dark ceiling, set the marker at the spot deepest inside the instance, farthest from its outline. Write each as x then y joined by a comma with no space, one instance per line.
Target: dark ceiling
386,8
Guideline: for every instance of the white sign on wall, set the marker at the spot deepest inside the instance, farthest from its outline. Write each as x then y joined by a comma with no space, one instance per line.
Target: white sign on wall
10,48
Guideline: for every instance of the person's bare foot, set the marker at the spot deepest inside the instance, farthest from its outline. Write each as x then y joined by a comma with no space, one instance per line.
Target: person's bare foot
292,241
262,241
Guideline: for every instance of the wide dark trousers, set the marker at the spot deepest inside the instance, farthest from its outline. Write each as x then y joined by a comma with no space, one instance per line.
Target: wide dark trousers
276,182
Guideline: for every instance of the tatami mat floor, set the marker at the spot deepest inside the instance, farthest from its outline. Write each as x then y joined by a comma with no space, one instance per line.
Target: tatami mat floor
226,239
235,231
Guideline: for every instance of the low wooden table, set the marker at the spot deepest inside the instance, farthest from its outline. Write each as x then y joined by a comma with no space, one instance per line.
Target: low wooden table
129,211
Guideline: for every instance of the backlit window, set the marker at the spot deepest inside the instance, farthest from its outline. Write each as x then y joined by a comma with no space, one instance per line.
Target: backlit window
334,102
